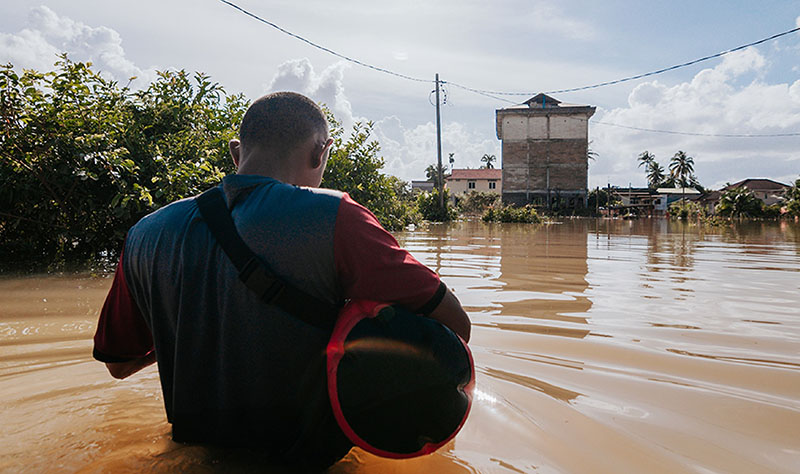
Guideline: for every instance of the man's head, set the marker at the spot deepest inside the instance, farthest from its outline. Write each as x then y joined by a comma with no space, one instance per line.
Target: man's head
283,135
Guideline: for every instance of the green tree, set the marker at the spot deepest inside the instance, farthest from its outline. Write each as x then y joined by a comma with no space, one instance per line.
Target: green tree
429,208
488,159
655,174
82,158
739,203
645,158
355,168
432,173
792,197
681,168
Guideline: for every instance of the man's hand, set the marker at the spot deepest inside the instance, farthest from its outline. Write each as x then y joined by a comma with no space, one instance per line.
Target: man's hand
120,370
451,314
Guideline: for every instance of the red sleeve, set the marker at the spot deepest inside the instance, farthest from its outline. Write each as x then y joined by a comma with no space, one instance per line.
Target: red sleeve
122,333
372,265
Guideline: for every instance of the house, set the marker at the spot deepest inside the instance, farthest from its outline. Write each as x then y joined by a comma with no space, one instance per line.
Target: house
419,186
545,146
462,181
770,192
670,195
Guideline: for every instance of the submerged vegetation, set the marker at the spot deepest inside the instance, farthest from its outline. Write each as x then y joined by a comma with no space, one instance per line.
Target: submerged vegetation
83,158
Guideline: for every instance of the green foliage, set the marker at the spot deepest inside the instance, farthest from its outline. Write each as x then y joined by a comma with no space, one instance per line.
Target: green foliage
488,161
739,203
355,167
792,196
476,202
429,208
432,173
604,196
685,209
82,159
526,214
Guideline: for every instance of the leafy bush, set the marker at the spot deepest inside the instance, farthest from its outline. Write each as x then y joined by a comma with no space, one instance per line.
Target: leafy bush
355,168
792,196
525,214
83,158
739,203
477,202
685,209
429,208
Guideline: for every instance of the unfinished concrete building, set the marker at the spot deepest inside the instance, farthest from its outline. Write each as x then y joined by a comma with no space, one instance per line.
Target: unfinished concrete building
545,152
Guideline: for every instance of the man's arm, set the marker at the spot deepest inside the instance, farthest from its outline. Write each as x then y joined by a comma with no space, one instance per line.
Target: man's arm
450,313
123,340
121,370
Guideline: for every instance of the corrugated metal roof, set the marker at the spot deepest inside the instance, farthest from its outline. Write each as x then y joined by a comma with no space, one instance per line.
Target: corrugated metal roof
476,174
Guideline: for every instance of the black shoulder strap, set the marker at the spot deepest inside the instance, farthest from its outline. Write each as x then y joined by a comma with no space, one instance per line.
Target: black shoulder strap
254,273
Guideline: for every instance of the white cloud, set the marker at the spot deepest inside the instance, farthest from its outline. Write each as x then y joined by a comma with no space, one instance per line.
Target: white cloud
47,34
715,101
407,151
298,75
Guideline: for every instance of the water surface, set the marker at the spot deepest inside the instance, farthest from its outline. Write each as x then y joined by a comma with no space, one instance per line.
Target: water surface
600,346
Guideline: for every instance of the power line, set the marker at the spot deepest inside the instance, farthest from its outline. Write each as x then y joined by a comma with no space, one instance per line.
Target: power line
493,94
632,78
692,134
490,93
697,134
323,48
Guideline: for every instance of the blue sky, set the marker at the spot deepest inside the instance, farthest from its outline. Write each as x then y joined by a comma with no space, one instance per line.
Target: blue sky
531,45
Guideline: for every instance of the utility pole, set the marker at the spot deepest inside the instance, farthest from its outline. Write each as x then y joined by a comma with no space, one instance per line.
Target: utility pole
439,147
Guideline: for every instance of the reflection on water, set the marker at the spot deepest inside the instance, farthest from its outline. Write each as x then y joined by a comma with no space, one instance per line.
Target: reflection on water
600,346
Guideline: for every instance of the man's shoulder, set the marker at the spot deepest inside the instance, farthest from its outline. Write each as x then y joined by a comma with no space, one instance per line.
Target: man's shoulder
173,214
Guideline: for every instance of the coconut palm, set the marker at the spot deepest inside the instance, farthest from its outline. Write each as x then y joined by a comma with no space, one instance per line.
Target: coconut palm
645,158
488,159
681,167
655,174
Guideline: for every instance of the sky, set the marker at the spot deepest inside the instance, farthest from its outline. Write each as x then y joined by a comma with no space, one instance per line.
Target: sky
528,46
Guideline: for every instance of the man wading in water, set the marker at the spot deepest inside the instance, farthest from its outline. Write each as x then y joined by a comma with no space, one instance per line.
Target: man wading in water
235,370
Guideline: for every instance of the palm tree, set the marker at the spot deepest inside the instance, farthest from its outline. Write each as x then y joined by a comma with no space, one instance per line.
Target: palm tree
645,158
432,173
488,159
655,174
681,167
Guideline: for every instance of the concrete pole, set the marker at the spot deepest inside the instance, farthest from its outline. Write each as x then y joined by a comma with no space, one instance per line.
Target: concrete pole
439,147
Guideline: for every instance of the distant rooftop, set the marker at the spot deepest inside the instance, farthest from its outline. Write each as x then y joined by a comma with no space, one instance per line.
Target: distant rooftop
541,102
687,191
758,183
481,173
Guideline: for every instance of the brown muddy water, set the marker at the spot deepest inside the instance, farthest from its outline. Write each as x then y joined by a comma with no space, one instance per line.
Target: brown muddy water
600,346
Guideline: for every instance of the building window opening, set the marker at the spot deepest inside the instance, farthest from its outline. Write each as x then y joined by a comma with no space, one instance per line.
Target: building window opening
492,185
471,184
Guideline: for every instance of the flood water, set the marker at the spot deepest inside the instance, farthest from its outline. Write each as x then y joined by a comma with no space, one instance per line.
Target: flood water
600,346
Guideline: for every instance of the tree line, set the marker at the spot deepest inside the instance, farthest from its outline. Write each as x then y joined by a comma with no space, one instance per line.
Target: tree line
82,158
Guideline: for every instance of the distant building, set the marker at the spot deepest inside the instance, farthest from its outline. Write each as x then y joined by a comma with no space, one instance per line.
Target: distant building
671,195
770,192
545,152
462,181
418,186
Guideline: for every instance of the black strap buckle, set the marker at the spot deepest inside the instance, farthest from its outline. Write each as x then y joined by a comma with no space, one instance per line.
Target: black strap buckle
256,277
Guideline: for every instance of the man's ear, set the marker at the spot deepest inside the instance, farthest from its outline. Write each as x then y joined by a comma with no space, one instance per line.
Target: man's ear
320,159
235,147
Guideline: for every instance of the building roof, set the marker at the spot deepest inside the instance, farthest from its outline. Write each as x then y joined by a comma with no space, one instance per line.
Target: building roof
682,191
481,173
758,183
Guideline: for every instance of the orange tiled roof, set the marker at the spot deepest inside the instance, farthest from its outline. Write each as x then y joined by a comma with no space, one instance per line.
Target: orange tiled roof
476,174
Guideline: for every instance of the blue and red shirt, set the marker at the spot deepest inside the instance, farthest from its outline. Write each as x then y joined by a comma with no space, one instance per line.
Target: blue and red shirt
232,366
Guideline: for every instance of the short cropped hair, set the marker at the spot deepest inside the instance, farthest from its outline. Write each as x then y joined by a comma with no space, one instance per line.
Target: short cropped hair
277,123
